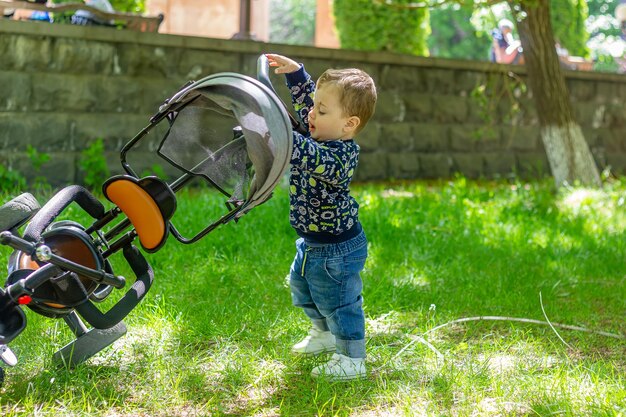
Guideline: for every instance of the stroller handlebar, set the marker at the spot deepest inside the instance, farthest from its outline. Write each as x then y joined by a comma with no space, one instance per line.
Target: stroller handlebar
49,212
9,239
44,254
262,69
145,277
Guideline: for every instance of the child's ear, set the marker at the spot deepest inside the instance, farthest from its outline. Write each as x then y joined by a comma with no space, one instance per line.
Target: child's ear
352,123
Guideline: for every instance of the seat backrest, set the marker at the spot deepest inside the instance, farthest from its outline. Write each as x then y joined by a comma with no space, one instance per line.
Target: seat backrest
18,211
148,203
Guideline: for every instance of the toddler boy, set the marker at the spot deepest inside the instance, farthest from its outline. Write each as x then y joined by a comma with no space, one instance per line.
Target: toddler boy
331,251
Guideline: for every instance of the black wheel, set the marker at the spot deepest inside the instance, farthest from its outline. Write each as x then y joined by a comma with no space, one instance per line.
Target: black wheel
18,211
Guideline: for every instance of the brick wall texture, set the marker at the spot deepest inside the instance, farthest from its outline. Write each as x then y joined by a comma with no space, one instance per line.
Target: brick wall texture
62,87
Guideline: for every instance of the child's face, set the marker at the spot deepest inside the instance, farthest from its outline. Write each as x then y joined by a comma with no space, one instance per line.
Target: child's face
326,119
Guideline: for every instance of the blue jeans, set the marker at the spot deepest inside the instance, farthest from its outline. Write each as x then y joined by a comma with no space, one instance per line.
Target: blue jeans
325,282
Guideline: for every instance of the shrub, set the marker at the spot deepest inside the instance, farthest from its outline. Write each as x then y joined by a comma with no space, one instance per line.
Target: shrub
94,165
365,25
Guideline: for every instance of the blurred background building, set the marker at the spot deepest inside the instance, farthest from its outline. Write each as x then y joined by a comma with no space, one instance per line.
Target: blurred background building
228,18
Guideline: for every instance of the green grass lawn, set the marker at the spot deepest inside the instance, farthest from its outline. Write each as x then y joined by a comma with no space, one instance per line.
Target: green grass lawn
213,335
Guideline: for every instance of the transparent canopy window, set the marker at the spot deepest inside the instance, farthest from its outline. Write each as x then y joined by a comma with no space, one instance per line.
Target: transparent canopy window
227,132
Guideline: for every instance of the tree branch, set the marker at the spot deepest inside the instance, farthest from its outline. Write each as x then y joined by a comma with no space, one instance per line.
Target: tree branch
543,310
524,320
440,356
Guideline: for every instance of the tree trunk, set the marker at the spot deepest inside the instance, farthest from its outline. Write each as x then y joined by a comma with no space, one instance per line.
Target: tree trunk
568,153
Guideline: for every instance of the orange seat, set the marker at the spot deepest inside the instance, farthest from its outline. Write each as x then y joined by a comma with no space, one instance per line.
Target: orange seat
141,208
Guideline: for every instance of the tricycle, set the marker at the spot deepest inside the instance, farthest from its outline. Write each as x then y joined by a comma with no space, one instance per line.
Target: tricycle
228,132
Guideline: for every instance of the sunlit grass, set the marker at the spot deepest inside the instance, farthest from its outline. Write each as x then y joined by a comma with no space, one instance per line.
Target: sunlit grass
213,335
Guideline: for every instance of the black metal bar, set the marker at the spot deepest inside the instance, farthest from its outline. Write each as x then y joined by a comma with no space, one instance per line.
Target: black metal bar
75,324
223,220
108,217
101,277
32,282
181,181
121,243
119,228
145,277
128,146
9,239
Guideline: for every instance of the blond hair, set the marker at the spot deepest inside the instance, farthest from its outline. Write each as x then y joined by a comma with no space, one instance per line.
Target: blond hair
357,92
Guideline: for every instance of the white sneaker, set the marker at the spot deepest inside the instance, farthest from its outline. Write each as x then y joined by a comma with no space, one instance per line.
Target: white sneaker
341,368
316,342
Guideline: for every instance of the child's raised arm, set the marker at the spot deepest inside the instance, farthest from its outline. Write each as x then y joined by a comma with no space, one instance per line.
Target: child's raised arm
301,86
283,64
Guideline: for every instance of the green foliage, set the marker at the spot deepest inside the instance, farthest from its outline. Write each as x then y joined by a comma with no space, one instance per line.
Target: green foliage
602,17
93,164
568,23
605,32
125,6
213,335
368,25
454,35
128,6
292,21
498,102
156,170
11,180
37,159
567,17
605,63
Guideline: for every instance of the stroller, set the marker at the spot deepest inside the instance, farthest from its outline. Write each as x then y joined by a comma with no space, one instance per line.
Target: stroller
227,131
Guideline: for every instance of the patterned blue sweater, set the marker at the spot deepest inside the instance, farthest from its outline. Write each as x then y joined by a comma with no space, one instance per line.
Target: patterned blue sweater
321,207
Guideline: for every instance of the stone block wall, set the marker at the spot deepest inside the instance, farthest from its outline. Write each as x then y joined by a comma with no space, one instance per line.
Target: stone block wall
62,87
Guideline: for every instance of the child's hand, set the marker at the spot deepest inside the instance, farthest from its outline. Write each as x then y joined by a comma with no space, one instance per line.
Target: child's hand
283,64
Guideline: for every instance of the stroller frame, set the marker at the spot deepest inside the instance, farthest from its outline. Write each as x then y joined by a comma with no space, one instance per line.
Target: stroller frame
59,269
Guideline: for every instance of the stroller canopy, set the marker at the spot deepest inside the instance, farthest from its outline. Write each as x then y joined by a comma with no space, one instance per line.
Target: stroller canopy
203,138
